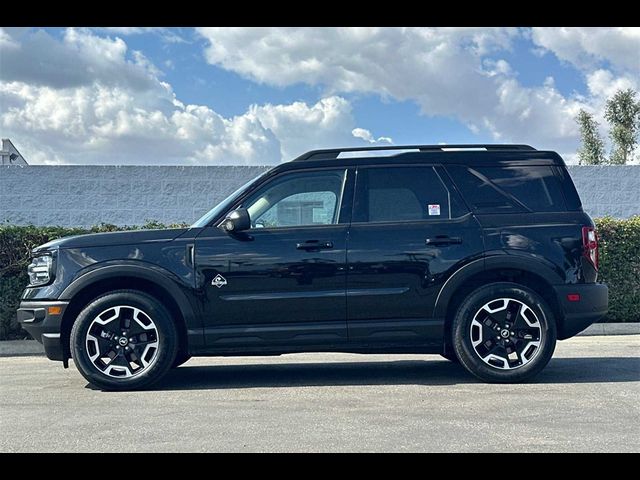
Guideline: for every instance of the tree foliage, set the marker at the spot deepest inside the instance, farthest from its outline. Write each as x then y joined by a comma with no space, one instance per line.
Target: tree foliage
592,150
622,113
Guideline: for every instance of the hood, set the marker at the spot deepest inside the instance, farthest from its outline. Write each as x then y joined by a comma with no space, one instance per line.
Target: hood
112,238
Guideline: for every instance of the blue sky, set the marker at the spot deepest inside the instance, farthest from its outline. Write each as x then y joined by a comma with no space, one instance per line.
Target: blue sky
261,96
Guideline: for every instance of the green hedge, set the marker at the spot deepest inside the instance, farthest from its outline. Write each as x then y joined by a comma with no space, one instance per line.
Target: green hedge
15,250
619,265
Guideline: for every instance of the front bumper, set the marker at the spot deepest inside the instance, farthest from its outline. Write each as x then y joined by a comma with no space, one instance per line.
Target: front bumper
578,315
44,325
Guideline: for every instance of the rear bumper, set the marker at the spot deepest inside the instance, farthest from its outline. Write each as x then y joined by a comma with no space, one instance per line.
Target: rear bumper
578,315
43,326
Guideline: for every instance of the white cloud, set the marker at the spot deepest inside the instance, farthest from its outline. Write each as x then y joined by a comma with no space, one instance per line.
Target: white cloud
98,124
328,123
168,35
88,98
588,47
80,59
603,84
451,72
404,63
109,106
130,30
6,41
367,136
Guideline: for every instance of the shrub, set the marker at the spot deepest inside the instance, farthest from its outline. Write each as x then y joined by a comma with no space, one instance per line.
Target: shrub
619,265
16,243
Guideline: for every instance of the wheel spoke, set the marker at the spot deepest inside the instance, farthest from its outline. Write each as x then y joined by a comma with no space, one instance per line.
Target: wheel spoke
528,334
144,337
125,318
487,347
513,312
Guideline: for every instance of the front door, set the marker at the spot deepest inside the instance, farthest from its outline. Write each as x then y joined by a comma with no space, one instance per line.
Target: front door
409,233
283,282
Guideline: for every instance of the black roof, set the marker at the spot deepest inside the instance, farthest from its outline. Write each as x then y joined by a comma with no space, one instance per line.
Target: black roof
334,152
466,154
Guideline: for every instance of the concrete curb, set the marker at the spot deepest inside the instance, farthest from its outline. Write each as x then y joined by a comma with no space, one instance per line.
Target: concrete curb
612,329
21,348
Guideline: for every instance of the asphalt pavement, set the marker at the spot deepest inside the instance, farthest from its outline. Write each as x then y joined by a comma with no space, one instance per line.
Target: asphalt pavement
587,399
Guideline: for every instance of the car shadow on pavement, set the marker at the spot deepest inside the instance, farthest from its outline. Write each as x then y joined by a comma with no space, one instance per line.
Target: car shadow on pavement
402,372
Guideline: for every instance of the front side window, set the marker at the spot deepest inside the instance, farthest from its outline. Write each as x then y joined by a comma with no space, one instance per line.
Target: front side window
400,194
297,199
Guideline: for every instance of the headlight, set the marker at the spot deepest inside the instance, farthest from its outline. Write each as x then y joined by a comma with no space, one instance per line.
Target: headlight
40,270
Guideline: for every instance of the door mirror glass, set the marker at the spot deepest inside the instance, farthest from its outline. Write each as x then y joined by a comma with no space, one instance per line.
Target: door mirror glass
237,221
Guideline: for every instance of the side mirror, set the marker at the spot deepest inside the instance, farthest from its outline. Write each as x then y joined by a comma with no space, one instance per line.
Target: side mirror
237,221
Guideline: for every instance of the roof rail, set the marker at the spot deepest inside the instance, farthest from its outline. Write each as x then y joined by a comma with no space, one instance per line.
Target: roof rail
333,153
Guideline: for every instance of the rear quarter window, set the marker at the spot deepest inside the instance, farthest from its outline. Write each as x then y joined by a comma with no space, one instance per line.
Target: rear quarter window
509,189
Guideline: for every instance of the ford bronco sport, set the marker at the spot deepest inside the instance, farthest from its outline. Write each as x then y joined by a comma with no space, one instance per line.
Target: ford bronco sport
480,253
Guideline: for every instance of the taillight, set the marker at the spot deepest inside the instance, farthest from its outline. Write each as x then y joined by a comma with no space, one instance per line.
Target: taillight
590,245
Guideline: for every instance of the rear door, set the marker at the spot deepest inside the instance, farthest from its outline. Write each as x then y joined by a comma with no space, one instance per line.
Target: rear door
410,232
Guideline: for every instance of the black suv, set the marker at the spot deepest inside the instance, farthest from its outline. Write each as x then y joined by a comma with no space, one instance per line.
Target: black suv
480,253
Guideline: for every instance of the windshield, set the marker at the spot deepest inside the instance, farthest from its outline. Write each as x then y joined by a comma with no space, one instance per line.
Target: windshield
224,204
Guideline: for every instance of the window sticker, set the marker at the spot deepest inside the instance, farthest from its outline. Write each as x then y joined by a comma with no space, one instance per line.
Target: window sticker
434,209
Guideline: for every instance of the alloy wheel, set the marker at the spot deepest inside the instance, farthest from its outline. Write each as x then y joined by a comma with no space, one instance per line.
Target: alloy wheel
122,341
506,333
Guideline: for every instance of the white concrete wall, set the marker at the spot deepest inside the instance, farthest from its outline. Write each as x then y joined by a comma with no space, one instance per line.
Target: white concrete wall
132,195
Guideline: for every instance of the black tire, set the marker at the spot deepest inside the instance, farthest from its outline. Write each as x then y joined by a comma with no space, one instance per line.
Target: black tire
164,336
451,356
522,368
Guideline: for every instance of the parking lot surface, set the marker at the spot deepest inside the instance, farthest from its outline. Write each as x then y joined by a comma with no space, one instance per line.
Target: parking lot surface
587,399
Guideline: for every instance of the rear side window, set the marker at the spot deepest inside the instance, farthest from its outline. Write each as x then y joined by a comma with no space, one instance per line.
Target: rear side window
396,194
509,189
571,197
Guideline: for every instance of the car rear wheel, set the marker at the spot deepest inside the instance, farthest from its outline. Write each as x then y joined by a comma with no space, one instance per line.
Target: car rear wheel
504,332
124,340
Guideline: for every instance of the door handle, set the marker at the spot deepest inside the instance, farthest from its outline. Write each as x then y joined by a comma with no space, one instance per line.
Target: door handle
314,245
443,240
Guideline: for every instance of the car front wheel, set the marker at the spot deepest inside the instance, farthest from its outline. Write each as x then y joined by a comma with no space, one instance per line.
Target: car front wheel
124,340
504,332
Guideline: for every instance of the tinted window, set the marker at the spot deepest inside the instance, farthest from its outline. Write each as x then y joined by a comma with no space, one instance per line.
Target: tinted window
400,194
536,187
571,197
297,199
509,189
479,193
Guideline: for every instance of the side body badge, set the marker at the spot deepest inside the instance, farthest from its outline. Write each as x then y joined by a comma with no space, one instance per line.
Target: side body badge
219,281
